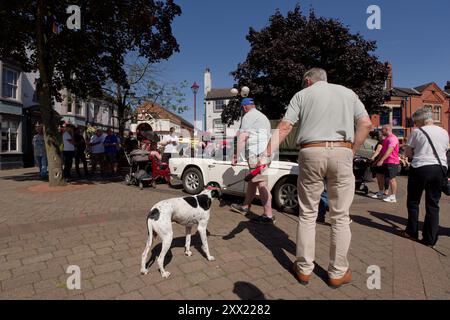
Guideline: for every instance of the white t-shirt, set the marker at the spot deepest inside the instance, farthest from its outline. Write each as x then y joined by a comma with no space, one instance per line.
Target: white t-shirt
257,126
423,153
98,148
170,148
67,145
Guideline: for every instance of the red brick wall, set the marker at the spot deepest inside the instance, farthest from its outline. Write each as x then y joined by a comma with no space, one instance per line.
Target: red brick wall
416,102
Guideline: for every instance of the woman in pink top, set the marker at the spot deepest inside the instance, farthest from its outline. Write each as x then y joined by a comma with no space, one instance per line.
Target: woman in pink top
389,162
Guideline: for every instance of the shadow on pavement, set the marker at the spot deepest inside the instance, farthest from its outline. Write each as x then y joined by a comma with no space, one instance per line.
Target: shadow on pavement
178,242
248,291
276,240
393,222
31,176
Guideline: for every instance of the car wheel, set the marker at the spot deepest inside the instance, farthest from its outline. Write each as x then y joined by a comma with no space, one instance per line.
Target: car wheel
285,195
193,181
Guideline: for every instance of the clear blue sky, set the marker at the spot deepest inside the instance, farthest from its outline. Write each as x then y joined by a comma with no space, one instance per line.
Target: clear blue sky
414,36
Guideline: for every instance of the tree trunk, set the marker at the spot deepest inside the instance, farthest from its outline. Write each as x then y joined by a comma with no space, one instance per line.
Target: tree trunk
121,118
49,117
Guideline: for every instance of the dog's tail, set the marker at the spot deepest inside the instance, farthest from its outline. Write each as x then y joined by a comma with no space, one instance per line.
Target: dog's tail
152,215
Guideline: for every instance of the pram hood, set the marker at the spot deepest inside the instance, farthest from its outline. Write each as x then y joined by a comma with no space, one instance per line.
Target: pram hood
139,152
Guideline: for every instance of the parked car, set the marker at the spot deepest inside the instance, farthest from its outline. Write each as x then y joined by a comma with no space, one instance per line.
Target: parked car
196,173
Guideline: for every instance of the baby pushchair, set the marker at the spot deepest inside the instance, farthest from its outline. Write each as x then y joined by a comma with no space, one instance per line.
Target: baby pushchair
363,174
140,168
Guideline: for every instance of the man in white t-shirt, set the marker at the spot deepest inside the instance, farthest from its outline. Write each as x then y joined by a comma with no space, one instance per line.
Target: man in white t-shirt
253,136
97,151
69,150
426,174
170,142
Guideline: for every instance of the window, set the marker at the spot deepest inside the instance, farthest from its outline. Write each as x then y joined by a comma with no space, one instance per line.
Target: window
10,80
9,137
69,104
436,110
393,116
218,126
384,118
219,105
78,107
397,117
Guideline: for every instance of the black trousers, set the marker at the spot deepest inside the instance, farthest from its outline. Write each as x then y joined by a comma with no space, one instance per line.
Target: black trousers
428,179
81,156
68,161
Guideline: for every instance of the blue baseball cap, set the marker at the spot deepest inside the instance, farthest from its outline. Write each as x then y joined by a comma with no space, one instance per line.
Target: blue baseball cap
247,102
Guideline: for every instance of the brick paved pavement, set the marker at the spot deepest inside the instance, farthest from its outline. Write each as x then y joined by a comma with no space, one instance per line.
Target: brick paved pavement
101,228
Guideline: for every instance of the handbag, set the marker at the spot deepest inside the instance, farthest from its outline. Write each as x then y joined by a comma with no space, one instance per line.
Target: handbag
445,188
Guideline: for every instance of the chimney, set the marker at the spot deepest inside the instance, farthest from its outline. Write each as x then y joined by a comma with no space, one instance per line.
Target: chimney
207,81
447,86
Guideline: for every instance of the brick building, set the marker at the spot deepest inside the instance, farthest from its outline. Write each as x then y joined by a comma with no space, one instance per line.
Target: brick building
157,118
403,102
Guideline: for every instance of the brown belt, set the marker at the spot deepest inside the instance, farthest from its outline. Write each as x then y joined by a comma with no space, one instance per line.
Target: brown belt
326,144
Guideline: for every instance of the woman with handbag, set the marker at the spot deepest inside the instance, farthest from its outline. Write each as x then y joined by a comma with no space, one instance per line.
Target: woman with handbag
427,145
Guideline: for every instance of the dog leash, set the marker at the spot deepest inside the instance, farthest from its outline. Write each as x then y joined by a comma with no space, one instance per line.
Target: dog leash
249,176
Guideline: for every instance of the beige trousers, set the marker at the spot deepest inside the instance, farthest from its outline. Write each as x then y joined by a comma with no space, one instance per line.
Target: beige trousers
336,164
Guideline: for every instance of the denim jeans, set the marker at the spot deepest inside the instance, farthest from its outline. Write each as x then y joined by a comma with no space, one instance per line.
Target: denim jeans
41,161
323,205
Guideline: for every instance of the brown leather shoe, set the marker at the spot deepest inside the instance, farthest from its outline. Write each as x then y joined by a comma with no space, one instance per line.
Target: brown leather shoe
302,278
336,283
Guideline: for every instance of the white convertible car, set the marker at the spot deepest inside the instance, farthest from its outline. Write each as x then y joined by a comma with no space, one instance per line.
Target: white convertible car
196,173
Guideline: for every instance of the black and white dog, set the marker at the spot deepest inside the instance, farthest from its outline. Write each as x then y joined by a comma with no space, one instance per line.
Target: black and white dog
187,211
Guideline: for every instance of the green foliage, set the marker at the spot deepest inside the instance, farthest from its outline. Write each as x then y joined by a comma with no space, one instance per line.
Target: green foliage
290,45
96,52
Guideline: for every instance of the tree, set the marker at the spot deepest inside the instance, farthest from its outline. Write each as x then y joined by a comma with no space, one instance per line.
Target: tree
35,34
281,53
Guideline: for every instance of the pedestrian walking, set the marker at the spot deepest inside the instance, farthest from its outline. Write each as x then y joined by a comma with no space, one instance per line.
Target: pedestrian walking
253,136
388,166
427,146
40,154
69,150
327,146
97,151
80,152
112,145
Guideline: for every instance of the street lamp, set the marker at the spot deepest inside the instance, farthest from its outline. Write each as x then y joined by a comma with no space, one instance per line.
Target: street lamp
194,88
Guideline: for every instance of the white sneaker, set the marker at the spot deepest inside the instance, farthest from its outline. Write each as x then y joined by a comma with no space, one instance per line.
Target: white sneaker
391,199
379,195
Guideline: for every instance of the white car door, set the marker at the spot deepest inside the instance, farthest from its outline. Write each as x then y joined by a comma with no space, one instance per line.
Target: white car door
224,173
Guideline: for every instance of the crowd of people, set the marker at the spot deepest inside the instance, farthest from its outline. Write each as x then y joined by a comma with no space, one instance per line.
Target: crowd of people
103,148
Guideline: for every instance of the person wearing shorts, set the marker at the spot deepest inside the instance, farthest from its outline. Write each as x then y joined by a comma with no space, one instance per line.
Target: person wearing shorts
389,165
253,136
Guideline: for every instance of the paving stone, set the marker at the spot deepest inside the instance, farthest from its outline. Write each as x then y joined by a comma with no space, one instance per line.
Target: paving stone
173,284
36,259
107,267
134,295
20,281
107,292
217,285
132,284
